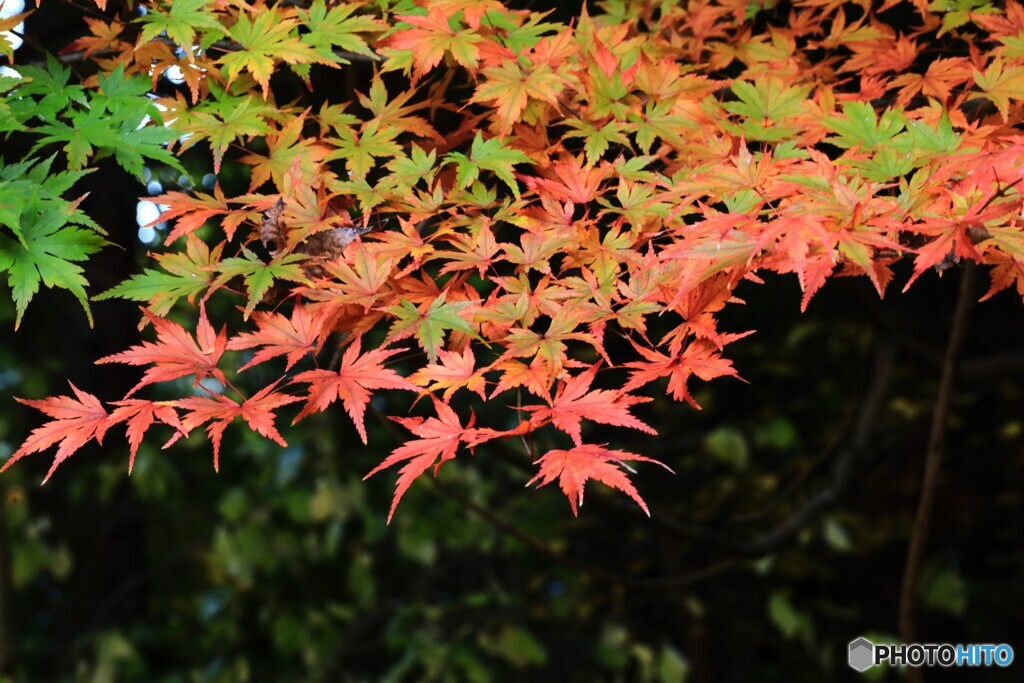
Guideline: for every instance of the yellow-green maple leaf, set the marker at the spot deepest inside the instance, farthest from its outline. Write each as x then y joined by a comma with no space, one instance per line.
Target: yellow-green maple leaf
1001,84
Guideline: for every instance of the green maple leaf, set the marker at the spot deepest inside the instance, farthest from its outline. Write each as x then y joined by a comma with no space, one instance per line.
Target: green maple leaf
183,275
224,119
859,126
428,326
45,93
95,131
419,165
597,138
28,186
956,13
766,105
180,20
51,241
657,121
487,155
123,96
160,288
268,38
359,149
336,28
259,276
110,125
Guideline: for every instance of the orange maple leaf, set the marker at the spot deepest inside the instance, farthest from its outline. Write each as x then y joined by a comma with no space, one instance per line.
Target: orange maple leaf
701,358
438,441
190,212
76,421
351,383
574,402
574,467
175,353
279,335
219,411
453,372
140,416
431,37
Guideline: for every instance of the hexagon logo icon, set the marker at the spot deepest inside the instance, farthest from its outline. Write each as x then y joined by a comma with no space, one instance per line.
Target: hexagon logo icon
861,654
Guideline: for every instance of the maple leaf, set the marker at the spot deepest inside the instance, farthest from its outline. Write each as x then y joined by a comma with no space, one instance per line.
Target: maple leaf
360,149
574,402
535,377
488,155
701,358
1001,84
76,421
175,353
219,411
428,322
190,212
362,281
437,442
550,346
50,241
183,275
140,416
268,38
396,113
279,336
351,384
476,251
288,153
337,28
259,276
104,37
575,182
574,467
226,119
769,107
431,37
180,20
941,77
454,372
510,88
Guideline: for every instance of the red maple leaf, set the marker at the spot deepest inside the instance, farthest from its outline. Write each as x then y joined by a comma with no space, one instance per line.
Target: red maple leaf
175,353
76,421
351,383
219,411
439,439
701,358
574,402
574,467
279,335
140,416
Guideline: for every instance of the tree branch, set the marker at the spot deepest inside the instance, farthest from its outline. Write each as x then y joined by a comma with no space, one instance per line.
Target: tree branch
596,571
840,477
933,461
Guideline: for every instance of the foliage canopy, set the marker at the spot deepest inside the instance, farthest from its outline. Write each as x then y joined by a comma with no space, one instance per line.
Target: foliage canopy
515,210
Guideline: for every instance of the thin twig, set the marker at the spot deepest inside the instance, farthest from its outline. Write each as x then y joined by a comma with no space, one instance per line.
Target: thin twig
842,470
528,539
933,462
